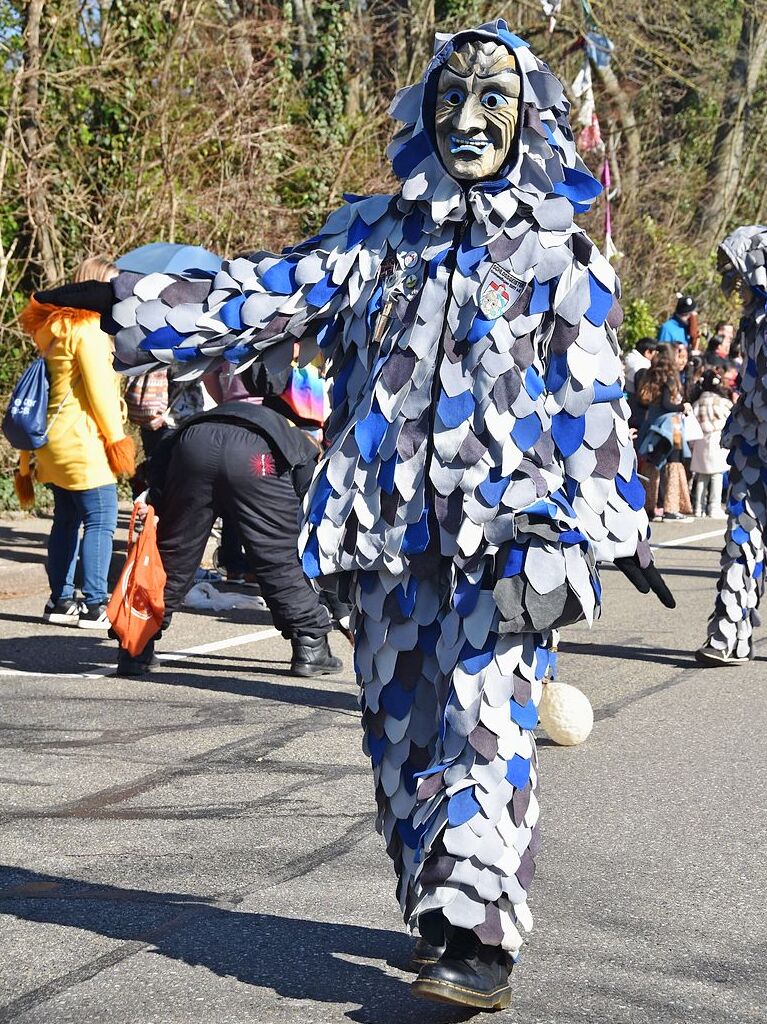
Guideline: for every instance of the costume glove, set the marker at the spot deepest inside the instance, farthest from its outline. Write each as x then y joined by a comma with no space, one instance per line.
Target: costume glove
97,296
646,579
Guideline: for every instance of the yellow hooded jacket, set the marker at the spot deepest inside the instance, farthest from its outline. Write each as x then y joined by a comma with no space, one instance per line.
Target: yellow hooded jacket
87,446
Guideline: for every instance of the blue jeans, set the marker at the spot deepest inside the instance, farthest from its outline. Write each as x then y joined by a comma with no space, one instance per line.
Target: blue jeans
95,510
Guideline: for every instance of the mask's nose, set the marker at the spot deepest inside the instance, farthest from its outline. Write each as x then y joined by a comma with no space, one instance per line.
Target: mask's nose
470,116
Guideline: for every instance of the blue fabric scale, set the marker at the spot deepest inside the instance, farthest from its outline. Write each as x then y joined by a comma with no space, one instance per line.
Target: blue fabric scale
578,186
466,595
455,411
411,154
475,660
493,487
480,328
518,772
632,491
358,232
396,699
281,278
416,537
377,747
231,313
526,431
540,299
406,596
370,432
322,492
601,302
322,292
462,807
386,474
163,337
525,716
534,385
568,432
515,561
310,559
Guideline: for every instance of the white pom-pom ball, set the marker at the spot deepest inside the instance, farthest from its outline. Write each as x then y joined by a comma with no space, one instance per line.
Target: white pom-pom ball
565,713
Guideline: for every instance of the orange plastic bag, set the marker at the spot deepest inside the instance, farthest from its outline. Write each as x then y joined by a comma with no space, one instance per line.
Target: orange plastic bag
137,605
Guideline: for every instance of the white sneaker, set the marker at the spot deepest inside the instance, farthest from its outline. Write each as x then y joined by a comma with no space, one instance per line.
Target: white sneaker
64,612
94,617
717,514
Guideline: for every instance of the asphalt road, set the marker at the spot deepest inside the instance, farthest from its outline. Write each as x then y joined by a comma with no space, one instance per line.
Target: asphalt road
200,847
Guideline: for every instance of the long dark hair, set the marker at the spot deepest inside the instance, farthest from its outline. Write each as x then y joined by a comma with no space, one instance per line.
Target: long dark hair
663,373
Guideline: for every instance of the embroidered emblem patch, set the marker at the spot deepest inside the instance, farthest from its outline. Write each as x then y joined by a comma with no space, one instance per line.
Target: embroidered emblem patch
500,290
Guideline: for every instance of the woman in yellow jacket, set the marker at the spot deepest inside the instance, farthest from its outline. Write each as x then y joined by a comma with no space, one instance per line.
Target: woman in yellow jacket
87,449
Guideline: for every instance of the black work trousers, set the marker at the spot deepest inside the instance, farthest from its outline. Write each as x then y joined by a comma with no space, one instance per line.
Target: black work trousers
217,469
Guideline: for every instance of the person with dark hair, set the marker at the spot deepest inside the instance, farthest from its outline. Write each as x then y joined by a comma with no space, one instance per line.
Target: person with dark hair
661,437
639,358
678,329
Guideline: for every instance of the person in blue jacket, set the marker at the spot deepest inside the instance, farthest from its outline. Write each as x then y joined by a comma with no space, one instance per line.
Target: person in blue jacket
676,329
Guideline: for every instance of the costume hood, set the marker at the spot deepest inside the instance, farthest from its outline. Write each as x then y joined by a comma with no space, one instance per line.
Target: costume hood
746,249
544,177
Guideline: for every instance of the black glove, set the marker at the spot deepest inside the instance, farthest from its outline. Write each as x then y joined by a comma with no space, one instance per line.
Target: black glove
646,579
97,296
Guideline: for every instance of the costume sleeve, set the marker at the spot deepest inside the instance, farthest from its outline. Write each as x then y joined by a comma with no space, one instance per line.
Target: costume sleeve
94,362
590,415
256,306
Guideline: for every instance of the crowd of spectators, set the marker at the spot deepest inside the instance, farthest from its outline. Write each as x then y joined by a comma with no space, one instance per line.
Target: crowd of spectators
681,391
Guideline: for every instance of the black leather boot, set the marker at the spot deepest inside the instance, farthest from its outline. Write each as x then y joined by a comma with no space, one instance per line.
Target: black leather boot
139,665
312,657
467,974
423,953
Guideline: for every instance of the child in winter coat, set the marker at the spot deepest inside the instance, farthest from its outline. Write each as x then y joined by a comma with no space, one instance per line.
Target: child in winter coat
709,459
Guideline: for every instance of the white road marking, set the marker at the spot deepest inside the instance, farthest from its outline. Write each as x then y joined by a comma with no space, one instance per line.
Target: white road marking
220,645
183,655
688,540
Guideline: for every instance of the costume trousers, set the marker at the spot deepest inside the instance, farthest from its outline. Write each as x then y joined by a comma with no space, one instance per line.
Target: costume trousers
741,580
220,469
448,708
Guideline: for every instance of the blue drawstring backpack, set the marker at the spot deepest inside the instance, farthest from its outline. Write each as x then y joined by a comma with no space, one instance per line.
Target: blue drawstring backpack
25,423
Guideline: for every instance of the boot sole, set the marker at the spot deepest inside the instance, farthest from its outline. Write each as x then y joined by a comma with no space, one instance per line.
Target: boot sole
307,671
710,660
61,619
459,995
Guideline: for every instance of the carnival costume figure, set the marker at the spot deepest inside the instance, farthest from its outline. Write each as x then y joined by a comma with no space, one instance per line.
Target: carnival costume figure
742,258
480,464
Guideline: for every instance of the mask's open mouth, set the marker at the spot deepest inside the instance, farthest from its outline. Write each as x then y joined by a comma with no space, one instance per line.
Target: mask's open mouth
475,146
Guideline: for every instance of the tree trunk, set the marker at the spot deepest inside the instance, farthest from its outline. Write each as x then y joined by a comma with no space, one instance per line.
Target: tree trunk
723,176
628,183
43,231
403,40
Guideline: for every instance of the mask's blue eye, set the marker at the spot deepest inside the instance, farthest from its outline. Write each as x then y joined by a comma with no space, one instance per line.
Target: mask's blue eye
492,100
454,97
